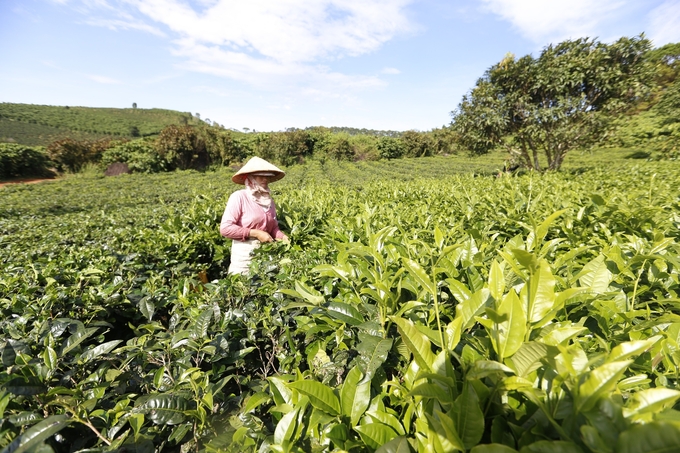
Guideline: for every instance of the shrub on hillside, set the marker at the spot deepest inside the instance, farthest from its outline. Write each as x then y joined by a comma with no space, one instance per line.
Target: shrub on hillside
340,147
72,155
19,160
290,147
139,155
365,147
390,148
182,147
417,144
223,146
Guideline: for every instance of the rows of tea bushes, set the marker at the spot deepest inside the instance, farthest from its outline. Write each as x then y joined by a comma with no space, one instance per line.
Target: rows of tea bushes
415,309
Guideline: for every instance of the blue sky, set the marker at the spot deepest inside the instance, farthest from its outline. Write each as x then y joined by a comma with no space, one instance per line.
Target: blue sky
273,64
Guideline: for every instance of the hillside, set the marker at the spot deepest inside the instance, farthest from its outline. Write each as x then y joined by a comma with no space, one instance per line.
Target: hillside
30,124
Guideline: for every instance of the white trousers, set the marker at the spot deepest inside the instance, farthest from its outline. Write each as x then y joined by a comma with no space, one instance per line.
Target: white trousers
241,255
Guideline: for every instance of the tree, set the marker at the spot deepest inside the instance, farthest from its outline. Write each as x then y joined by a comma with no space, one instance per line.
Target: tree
134,105
390,147
566,98
416,144
290,147
182,147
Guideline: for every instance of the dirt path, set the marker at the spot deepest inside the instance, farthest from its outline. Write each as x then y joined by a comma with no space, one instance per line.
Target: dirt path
25,181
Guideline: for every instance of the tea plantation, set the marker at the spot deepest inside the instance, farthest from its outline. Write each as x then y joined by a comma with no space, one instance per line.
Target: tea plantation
422,305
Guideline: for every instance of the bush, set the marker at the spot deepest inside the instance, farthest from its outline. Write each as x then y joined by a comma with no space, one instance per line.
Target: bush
223,146
340,147
72,155
290,147
365,147
182,147
139,155
416,144
19,160
390,148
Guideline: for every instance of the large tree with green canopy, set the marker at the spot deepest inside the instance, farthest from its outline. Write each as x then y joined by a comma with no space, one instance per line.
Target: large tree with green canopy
564,99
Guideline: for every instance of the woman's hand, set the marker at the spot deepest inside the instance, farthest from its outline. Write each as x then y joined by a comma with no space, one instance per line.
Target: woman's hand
261,236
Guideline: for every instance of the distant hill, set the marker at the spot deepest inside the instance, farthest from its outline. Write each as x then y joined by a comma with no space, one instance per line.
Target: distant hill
33,125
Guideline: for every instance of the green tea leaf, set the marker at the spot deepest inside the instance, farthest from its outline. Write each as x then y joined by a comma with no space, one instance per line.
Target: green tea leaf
38,433
285,428
417,342
355,396
595,275
631,348
541,296
202,323
386,419
432,391
375,434
255,401
74,340
651,400
467,417
473,307
50,358
320,395
657,437
420,275
508,335
308,293
445,429
164,409
496,281
399,444
147,307
601,380
25,386
101,349
346,313
373,352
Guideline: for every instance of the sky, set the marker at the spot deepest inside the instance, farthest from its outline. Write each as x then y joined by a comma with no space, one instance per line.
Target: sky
269,65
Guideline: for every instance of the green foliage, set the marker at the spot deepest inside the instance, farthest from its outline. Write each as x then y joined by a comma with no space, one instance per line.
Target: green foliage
656,130
19,160
562,100
666,60
390,148
339,147
289,147
33,134
533,313
72,155
97,121
140,155
416,144
223,146
182,147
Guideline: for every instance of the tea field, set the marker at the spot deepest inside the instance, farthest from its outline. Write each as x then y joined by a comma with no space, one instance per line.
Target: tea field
422,305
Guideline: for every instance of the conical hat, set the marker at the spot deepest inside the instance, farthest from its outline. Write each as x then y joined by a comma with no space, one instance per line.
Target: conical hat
257,165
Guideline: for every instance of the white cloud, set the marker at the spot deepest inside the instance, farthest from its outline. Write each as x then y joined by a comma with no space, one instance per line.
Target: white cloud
664,23
390,71
119,24
284,30
274,44
543,21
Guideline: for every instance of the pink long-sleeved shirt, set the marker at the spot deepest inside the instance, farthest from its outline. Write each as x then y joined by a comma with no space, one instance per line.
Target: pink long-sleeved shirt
242,214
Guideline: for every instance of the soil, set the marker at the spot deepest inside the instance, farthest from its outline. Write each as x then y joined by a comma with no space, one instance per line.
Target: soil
25,181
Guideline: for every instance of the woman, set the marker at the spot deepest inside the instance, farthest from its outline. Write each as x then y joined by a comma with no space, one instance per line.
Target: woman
250,216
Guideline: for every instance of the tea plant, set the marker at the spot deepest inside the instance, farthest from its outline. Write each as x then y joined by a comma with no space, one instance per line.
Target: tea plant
408,313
